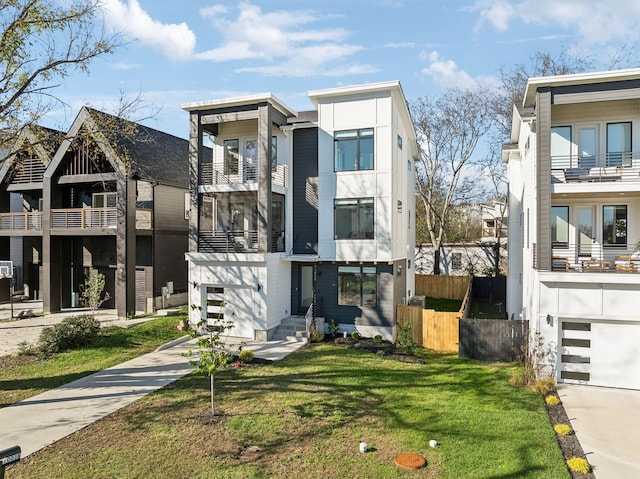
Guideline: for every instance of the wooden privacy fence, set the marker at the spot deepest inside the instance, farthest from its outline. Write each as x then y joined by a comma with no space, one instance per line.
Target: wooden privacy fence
442,286
431,329
492,339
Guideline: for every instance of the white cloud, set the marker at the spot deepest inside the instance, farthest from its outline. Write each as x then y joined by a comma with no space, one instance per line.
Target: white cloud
285,41
595,21
446,73
175,40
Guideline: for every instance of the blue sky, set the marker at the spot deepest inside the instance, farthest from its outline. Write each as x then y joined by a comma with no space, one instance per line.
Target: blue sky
194,50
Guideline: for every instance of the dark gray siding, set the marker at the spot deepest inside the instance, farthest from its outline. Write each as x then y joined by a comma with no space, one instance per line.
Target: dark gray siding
388,296
305,191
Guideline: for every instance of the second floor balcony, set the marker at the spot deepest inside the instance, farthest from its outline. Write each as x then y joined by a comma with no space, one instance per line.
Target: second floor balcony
236,241
593,258
217,174
622,167
72,218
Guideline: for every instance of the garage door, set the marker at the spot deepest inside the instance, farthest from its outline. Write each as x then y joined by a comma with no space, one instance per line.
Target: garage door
224,303
600,353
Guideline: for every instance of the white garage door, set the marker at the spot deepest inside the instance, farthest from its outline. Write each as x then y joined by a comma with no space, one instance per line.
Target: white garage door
231,304
600,353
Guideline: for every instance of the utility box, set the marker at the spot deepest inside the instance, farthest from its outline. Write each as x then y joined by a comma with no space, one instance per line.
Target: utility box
417,301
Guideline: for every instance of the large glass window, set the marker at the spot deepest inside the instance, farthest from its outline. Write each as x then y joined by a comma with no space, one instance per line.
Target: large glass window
561,147
354,150
231,157
619,144
614,225
104,200
560,226
358,286
353,218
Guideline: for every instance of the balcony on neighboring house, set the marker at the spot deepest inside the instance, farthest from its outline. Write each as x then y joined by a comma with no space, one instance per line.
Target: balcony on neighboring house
72,218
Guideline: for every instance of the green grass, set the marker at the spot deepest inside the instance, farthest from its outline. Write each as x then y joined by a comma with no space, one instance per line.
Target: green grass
308,413
485,309
27,375
443,304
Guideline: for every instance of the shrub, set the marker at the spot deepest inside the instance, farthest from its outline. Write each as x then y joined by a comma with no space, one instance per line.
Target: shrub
358,346
563,429
543,386
552,400
355,335
333,328
71,332
578,464
380,352
405,341
246,356
377,338
315,336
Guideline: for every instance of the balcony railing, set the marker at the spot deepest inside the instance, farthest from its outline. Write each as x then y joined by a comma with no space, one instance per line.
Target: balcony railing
614,167
215,174
595,258
238,241
27,221
76,218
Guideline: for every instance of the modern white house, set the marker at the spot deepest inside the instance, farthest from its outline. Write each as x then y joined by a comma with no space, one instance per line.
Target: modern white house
308,213
574,223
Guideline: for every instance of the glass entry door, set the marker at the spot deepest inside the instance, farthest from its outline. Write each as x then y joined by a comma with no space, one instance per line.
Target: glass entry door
586,231
306,287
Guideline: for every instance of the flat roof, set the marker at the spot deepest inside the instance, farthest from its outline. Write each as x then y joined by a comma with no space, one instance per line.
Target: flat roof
240,101
314,95
577,79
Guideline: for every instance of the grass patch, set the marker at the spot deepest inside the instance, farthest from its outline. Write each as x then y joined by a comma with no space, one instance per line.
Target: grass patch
443,304
24,376
485,309
304,416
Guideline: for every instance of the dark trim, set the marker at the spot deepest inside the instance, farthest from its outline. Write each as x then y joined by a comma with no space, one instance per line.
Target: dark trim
574,375
572,326
579,343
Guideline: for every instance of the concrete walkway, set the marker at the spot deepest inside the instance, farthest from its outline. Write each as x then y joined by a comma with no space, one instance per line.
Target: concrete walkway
43,419
607,423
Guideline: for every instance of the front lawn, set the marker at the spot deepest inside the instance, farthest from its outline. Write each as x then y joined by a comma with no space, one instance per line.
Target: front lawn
27,375
304,416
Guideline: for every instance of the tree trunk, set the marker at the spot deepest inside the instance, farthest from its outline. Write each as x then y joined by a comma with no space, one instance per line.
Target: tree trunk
436,261
213,410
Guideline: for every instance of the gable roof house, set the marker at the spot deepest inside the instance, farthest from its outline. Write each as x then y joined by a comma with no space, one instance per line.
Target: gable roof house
306,213
574,223
112,198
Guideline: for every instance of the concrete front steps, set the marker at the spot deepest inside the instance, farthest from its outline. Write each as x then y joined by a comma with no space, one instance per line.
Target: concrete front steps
293,328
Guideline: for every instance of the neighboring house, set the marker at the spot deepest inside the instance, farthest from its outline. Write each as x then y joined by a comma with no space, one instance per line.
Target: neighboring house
111,195
574,223
298,213
461,259
494,222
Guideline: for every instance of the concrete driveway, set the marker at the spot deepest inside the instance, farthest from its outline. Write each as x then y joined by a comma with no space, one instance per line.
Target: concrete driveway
607,423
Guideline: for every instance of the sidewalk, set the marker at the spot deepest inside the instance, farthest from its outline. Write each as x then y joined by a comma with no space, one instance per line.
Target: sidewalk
43,419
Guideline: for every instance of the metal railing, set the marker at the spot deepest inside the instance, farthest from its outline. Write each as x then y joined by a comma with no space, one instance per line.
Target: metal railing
236,241
77,218
624,166
595,257
214,174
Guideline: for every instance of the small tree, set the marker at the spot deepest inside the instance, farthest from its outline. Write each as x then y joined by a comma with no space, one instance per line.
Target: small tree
92,291
213,353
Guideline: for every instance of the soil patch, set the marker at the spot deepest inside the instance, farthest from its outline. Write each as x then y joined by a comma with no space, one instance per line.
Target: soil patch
389,350
569,444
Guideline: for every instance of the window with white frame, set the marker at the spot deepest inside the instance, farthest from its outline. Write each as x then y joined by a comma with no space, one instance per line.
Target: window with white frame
619,144
231,157
560,226
456,261
614,225
104,200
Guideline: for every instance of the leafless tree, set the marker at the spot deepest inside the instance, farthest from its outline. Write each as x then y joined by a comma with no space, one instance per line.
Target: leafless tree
41,43
448,130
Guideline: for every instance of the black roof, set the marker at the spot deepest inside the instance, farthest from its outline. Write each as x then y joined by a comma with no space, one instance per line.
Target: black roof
154,155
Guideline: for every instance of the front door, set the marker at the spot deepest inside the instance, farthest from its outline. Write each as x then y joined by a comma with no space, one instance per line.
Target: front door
306,288
586,231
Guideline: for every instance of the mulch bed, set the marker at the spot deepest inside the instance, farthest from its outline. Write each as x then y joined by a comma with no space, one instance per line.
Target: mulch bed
569,444
369,344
